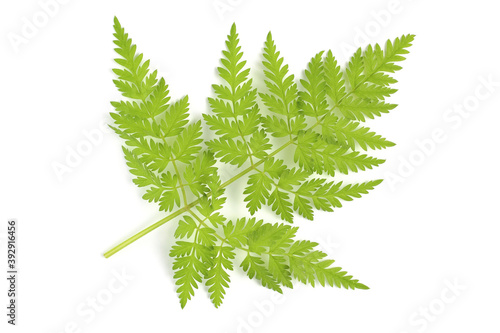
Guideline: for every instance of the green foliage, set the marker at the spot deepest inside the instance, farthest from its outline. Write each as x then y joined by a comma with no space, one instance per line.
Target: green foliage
316,122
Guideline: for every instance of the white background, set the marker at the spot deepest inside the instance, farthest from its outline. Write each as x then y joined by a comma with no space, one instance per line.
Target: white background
408,240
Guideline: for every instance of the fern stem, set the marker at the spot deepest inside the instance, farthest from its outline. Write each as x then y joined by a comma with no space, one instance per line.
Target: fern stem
144,232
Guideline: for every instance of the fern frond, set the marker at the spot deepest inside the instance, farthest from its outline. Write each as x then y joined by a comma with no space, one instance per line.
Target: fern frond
134,80
360,109
172,125
187,144
308,266
289,147
254,266
283,92
350,134
334,80
314,96
218,277
257,191
191,264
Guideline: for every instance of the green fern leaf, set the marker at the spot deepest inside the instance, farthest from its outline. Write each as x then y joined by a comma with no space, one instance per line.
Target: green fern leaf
314,96
254,266
191,265
288,141
218,277
350,133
